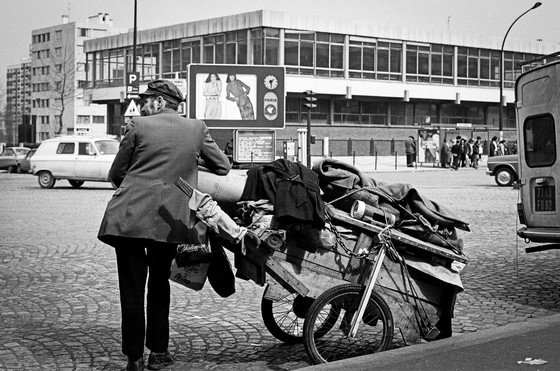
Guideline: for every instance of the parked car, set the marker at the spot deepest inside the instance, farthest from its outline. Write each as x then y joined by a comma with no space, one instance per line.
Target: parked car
25,165
75,158
504,169
11,157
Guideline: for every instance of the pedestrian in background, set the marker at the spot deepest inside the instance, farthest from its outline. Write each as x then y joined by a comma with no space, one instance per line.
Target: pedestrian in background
148,216
410,150
493,147
475,153
445,155
470,151
456,152
463,152
502,148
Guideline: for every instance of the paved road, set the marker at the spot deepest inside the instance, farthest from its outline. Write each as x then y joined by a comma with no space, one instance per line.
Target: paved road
59,306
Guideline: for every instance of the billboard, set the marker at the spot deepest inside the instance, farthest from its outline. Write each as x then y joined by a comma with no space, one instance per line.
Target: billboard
237,96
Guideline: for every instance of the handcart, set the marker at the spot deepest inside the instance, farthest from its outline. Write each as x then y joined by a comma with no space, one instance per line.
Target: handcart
326,299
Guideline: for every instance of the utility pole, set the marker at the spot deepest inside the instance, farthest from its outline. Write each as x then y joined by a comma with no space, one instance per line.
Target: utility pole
310,99
134,38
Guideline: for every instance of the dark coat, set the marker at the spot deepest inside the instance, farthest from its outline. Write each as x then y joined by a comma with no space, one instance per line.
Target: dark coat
154,152
410,146
446,156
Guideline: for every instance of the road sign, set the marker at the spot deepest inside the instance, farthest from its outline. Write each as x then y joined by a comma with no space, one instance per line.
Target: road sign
132,84
132,110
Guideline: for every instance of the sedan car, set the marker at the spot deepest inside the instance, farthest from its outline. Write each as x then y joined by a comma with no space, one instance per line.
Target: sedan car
25,165
504,169
11,157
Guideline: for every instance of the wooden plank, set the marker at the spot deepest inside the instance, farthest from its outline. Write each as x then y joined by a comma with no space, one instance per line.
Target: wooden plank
396,235
316,282
285,278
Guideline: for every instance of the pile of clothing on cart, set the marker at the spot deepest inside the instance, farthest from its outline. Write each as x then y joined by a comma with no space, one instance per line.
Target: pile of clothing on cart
298,195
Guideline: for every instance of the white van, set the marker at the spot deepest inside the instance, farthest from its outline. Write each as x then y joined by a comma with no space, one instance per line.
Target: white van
538,110
75,158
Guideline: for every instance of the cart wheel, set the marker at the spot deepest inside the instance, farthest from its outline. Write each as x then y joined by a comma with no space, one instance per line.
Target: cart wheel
336,308
284,318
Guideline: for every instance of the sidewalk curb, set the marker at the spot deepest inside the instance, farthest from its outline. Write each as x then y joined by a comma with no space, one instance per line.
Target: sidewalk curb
414,352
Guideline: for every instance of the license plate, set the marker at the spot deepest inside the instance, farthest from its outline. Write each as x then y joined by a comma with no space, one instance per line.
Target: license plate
545,198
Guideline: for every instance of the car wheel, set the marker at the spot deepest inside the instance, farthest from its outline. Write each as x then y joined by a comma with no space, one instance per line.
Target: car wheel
46,180
19,169
76,183
504,177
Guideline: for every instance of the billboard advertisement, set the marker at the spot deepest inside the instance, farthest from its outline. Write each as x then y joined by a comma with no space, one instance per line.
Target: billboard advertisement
237,96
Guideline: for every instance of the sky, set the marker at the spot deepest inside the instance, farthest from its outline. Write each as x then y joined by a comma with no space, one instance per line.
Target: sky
479,17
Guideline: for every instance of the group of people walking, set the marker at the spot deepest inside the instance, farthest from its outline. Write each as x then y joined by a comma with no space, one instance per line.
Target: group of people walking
461,152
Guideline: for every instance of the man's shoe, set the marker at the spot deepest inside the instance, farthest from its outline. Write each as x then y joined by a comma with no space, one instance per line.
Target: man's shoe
137,365
157,361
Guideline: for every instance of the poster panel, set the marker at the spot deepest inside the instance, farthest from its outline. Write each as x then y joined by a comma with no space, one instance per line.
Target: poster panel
237,96
429,145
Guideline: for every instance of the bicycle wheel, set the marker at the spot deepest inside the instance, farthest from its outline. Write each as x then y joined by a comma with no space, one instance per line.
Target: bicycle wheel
284,318
336,307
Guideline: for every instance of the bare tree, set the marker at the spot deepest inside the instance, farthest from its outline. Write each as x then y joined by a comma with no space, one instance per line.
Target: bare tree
61,82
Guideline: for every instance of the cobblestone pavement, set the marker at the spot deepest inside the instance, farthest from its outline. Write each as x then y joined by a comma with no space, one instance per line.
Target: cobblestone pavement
59,304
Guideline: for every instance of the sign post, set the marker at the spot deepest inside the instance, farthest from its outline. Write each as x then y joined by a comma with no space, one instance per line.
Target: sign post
132,85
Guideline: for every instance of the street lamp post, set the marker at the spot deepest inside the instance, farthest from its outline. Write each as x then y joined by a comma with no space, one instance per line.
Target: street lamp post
500,123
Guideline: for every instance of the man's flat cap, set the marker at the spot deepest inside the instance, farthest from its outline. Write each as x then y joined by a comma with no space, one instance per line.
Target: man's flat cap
165,88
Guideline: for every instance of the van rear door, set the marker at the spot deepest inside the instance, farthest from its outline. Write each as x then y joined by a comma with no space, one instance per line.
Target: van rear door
538,111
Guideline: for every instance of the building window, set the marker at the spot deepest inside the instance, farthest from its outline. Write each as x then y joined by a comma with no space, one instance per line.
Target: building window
83,119
58,34
236,47
373,59
329,52
361,58
298,52
171,58
98,119
190,53
214,49
389,61
148,61
84,32
418,63
266,45
441,61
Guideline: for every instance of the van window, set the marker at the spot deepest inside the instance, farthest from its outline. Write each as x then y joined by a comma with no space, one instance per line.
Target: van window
540,141
65,149
107,147
85,149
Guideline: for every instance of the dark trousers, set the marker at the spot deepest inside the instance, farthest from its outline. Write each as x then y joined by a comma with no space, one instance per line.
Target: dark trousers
135,259
410,158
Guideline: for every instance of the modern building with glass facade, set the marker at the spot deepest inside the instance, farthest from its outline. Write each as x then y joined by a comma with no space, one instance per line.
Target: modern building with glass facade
370,81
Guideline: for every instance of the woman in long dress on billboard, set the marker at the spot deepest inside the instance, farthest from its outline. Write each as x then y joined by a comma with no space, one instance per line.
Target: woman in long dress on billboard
237,91
212,91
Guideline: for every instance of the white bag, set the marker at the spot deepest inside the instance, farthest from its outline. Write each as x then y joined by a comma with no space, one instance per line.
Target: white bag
192,276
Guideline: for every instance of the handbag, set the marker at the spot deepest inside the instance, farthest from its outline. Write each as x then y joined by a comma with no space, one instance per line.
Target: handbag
192,261
220,272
